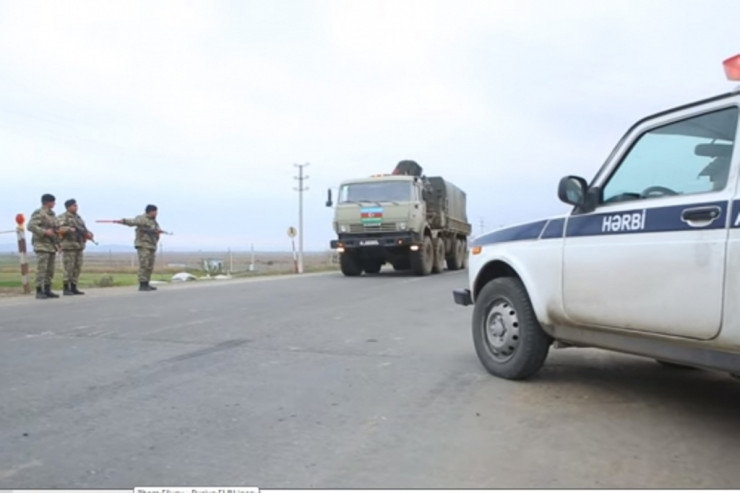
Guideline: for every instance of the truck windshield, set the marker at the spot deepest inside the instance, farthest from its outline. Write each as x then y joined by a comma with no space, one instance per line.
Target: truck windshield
378,191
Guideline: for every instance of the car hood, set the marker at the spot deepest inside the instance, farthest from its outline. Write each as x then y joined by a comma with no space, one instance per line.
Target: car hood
542,229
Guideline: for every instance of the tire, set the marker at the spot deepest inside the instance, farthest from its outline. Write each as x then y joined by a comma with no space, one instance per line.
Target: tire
422,260
349,264
439,255
373,267
504,313
454,261
465,253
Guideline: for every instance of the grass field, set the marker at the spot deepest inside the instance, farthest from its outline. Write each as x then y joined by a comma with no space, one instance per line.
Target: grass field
119,269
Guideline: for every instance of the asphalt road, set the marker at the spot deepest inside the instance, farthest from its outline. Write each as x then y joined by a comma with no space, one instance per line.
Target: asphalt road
328,382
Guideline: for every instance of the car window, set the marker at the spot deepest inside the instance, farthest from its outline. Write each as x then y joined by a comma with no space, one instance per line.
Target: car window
687,157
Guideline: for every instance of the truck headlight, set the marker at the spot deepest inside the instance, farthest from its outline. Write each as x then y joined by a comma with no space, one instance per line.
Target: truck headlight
401,226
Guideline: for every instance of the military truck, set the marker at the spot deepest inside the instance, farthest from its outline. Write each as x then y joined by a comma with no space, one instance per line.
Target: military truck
406,219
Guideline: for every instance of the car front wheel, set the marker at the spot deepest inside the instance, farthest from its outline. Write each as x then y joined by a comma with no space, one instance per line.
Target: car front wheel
508,338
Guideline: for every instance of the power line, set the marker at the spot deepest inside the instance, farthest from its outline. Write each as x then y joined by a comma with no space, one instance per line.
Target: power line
301,178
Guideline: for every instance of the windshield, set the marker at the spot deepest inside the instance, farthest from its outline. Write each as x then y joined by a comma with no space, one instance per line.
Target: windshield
378,191
690,156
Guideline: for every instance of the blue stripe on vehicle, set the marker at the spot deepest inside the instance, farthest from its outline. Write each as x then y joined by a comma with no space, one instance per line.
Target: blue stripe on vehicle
529,231
637,220
735,218
554,229
644,220
371,209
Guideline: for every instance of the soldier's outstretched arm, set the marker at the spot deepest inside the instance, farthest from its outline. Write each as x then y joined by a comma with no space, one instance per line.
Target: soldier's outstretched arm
128,222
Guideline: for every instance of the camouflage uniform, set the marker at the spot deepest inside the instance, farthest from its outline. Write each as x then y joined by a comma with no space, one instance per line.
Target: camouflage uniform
44,247
73,245
147,237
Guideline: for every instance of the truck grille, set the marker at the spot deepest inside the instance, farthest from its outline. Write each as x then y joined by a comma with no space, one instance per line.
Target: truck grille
375,228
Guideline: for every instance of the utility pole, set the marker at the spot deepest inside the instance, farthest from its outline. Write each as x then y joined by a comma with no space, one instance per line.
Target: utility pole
300,190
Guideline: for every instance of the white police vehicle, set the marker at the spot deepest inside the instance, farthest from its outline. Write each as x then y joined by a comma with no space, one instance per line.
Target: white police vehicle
647,262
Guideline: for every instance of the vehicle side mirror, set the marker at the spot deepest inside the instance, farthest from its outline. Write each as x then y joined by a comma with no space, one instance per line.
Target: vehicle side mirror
572,190
328,198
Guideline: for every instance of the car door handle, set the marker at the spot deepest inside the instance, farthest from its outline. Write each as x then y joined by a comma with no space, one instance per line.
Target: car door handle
701,214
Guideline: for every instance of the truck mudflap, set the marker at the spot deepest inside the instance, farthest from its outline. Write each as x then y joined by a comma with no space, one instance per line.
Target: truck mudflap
462,297
360,241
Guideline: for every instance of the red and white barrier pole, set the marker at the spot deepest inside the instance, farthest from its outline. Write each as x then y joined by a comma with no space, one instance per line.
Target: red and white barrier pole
21,231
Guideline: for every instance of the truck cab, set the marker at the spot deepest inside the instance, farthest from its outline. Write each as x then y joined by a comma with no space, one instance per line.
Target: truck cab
380,204
645,263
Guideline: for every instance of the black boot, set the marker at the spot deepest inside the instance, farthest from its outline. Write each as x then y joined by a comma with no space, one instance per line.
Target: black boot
40,294
74,289
49,293
67,289
145,286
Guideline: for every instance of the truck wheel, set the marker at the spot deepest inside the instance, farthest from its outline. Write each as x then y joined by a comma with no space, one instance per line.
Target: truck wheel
439,255
508,338
349,264
373,267
465,253
454,261
422,260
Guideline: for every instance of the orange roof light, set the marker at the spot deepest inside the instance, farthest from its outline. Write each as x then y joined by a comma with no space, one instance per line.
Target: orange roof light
732,68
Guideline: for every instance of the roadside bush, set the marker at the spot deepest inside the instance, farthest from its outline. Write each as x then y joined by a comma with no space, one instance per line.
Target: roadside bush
106,281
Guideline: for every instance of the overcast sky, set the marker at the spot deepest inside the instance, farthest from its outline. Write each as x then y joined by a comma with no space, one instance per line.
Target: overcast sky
203,107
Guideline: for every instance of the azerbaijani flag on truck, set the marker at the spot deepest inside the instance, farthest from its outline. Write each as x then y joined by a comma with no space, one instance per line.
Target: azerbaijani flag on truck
371,215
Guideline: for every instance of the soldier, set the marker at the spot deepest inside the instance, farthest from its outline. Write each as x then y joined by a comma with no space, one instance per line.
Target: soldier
43,225
147,237
73,244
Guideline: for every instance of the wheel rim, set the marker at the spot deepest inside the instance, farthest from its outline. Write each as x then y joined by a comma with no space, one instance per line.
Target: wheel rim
501,330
